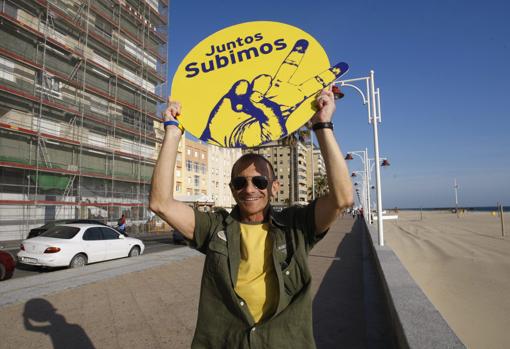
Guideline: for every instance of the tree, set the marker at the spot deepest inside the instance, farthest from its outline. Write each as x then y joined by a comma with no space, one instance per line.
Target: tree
321,186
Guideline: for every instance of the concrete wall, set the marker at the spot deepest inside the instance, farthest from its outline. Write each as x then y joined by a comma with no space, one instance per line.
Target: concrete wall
415,320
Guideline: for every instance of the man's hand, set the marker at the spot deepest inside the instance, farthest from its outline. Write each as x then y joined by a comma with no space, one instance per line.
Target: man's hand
256,112
172,111
326,104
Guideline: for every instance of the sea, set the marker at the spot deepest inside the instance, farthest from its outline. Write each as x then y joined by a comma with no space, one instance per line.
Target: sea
474,209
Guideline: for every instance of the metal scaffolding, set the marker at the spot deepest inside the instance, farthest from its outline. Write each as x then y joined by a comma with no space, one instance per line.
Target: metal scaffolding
80,87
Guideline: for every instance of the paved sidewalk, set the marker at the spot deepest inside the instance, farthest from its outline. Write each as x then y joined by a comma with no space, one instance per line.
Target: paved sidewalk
153,302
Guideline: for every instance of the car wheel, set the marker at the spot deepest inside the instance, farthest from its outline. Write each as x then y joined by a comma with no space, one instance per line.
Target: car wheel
80,260
2,272
135,251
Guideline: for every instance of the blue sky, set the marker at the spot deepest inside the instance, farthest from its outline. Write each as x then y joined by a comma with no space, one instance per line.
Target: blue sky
443,70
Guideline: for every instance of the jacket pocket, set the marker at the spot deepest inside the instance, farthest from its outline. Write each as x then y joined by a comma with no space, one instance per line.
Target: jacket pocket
292,278
217,256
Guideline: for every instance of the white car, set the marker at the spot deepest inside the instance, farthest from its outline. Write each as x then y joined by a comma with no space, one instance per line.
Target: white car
76,245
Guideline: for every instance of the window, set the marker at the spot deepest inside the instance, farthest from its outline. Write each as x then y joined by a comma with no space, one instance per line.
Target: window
178,186
48,85
128,116
109,234
7,70
196,154
93,234
188,165
203,156
178,173
104,28
196,167
188,151
197,181
60,232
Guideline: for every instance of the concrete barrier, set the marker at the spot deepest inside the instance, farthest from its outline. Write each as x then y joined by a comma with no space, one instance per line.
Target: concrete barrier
415,320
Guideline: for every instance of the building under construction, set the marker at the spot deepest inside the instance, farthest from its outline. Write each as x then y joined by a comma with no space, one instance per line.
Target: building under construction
80,86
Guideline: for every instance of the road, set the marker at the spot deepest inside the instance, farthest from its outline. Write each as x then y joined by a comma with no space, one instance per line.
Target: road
152,245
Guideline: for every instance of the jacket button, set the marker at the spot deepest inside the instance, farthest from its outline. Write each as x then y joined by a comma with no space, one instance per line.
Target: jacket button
287,272
241,303
253,329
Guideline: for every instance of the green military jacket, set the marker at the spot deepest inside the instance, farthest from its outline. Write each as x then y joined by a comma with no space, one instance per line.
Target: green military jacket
224,320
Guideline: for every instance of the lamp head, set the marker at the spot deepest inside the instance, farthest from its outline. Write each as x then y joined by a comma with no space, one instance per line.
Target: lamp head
336,92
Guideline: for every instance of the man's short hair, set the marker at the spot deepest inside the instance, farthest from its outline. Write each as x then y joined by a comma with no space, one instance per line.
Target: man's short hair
252,157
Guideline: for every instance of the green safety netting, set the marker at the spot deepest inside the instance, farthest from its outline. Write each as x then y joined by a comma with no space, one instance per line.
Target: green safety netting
52,181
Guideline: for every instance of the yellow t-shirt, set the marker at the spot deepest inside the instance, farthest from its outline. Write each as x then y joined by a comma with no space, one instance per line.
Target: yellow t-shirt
256,281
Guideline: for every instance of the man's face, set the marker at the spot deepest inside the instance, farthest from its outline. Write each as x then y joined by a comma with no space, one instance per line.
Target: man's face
252,200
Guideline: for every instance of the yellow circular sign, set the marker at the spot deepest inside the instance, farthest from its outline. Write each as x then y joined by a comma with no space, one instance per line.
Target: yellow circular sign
251,83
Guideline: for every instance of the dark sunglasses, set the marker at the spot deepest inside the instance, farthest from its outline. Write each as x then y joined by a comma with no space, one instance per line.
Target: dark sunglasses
261,182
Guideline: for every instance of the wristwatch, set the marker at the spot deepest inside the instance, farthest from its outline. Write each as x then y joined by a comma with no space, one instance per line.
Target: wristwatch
321,125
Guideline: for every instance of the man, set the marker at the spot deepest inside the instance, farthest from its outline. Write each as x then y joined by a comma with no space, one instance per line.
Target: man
255,289
121,224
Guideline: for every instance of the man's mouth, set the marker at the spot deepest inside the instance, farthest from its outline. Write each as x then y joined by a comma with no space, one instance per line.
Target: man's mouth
250,199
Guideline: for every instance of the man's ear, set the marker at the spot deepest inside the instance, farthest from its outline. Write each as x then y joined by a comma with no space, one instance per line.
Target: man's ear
275,187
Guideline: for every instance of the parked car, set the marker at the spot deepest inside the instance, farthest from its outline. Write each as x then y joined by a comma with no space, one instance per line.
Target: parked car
76,245
7,265
39,230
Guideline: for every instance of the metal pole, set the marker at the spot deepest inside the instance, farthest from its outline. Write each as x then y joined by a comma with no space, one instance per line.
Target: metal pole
380,226
313,170
367,184
502,220
455,186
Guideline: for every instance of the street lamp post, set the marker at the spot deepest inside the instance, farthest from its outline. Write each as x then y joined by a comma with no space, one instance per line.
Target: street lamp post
371,98
363,155
364,193
370,166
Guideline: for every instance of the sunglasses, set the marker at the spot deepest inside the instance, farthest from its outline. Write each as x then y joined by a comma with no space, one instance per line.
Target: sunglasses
238,183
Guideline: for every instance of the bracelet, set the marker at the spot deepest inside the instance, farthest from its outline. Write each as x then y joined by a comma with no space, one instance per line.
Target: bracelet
321,125
174,123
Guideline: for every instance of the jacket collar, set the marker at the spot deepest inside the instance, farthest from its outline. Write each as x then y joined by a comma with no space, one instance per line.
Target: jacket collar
275,218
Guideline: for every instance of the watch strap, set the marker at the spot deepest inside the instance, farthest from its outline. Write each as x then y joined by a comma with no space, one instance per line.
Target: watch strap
321,125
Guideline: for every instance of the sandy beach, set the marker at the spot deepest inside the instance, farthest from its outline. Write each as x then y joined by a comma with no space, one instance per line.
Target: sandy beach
463,266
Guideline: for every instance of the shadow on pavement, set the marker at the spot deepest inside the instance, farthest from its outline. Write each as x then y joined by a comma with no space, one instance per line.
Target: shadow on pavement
40,316
344,310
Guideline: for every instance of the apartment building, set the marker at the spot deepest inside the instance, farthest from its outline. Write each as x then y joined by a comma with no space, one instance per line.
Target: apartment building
80,86
221,161
195,171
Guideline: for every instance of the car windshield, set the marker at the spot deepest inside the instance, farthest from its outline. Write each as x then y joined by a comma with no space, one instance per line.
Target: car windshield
61,232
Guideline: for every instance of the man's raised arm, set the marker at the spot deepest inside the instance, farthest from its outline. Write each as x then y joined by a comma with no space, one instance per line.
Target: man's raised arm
162,202
340,195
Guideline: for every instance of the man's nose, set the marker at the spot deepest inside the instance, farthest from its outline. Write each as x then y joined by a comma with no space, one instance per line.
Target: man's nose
250,187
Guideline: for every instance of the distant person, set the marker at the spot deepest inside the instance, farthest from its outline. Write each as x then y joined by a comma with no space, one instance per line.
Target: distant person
256,284
121,224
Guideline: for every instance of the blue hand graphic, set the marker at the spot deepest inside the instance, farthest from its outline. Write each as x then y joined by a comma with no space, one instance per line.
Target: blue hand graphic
253,113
